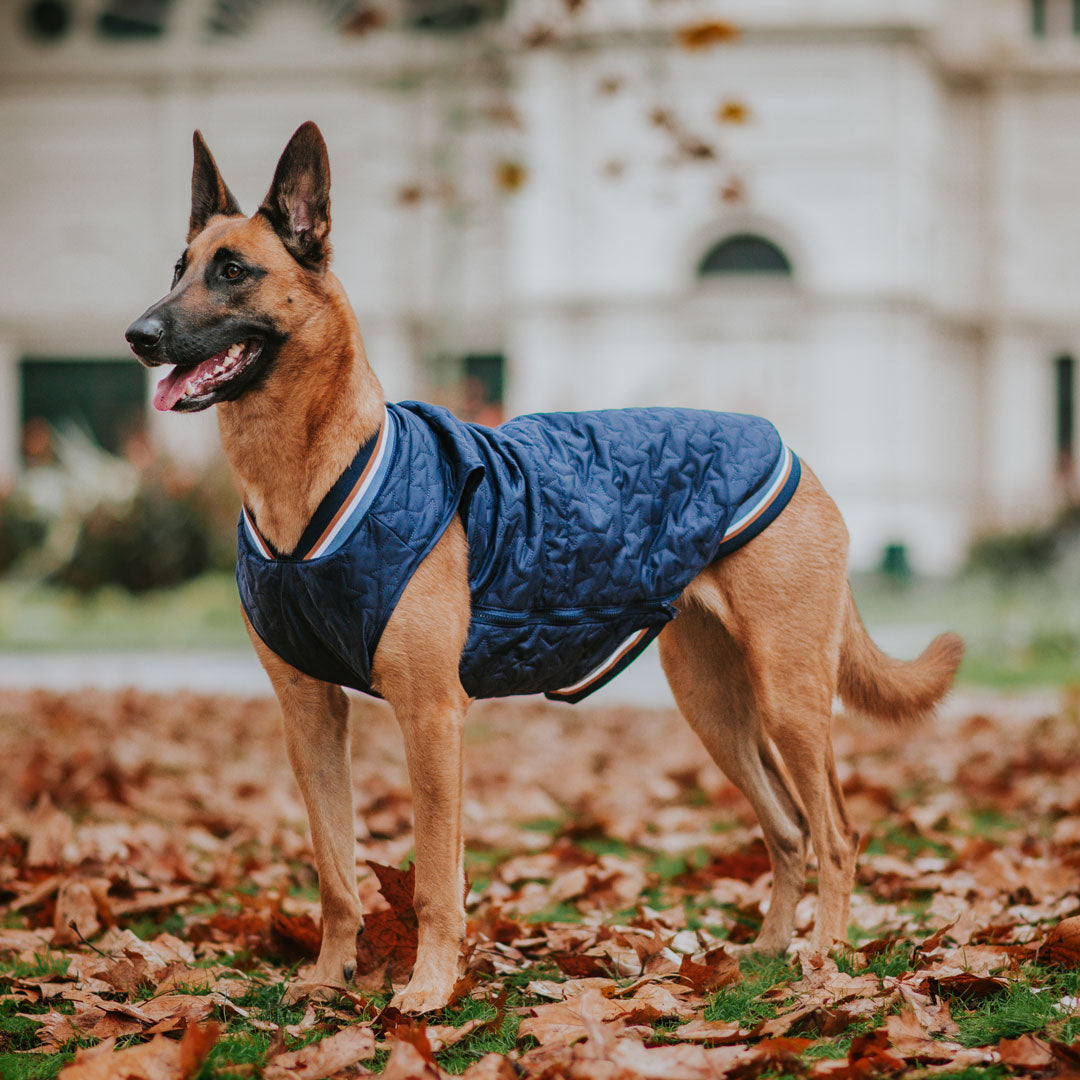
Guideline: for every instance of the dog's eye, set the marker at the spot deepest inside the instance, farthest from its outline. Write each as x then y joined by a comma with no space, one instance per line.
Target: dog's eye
232,271
178,271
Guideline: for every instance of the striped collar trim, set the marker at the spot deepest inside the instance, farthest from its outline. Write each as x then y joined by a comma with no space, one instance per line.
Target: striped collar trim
345,504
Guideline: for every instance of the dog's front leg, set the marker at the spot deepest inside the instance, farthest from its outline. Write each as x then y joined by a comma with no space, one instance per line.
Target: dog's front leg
416,670
316,721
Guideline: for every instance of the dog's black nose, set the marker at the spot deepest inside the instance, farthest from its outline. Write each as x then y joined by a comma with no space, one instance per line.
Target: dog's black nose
144,336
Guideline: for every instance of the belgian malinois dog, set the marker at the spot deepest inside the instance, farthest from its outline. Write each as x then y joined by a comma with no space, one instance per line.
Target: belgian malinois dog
755,646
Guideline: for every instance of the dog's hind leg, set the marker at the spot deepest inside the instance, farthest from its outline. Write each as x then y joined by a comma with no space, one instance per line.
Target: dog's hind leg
316,722
783,598
711,687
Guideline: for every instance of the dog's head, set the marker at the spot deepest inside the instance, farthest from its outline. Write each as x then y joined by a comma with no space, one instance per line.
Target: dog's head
245,289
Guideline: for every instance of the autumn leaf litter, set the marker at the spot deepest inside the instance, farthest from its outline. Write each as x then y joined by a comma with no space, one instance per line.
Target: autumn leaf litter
157,889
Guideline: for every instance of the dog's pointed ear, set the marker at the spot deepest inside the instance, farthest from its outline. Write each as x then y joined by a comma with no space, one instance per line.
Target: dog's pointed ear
298,202
209,195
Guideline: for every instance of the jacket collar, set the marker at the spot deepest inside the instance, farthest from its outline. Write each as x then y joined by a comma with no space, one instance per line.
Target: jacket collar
345,503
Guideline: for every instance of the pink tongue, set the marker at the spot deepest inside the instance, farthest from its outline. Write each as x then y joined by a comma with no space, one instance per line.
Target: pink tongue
171,389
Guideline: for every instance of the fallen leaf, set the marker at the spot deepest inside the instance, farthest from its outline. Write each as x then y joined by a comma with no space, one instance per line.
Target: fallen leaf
158,1059
325,1057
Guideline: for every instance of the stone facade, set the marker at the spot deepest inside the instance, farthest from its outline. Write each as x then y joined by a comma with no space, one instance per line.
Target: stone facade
546,187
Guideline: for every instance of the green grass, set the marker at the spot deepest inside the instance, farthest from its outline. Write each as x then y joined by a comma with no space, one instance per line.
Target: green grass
893,961
742,1001
1020,632
1017,1010
45,963
19,1033
204,613
457,1058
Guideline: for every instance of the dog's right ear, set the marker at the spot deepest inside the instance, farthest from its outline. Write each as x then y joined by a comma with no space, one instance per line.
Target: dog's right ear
209,195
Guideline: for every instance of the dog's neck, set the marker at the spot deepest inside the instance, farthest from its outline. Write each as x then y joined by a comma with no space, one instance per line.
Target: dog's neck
289,441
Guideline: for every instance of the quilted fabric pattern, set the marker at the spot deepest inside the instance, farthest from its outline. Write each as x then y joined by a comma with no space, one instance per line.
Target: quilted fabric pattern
583,528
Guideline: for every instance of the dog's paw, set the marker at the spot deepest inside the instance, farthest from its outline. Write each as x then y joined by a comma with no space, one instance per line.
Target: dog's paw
421,998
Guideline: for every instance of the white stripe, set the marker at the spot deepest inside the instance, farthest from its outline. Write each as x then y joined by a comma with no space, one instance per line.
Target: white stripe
600,669
254,534
384,442
767,497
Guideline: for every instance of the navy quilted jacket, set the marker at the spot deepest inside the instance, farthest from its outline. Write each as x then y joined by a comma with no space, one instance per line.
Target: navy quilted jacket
583,529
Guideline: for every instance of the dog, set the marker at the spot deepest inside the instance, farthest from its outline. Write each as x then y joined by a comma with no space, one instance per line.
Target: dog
466,535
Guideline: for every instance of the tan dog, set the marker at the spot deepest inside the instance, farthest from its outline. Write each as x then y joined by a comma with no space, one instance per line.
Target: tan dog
256,324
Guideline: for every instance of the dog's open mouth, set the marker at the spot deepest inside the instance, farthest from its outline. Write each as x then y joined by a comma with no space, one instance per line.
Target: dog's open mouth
196,387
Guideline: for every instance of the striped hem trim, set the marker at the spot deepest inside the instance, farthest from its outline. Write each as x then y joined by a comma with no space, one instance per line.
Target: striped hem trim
750,514
357,502
617,662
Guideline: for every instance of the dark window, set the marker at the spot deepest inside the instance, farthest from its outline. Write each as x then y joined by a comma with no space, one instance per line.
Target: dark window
449,16
1038,18
107,398
485,383
1065,410
745,254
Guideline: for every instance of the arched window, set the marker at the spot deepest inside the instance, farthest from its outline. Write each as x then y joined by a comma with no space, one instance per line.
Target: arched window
744,253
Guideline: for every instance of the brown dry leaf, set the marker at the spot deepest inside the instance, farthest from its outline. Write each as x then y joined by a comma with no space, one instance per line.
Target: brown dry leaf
490,1067
440,1036
1025,1053
715,969
567,1022
52,834
871,1055
174,1012
733,112
715,1032
666,999
1061,946
411,1056
325,1057
510,176
389,938
909,1038
298,931
77,907
704,35
675,1062
158,1059
934,1014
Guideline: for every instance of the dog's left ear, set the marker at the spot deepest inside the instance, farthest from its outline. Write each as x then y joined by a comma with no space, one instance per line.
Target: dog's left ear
298,202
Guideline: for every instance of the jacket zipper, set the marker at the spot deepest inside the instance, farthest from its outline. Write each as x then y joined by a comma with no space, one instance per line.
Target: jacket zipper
505,617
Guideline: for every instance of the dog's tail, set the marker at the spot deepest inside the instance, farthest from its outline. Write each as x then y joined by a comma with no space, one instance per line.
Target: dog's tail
896,691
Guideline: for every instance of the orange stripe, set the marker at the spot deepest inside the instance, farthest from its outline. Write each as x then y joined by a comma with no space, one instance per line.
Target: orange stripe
764,506
352,494
578,687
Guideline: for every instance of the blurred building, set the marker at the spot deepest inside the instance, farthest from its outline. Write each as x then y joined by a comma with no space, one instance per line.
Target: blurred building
860,218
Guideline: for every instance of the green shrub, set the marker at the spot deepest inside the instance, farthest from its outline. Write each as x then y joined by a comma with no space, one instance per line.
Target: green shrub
152,542
1030,550
21,529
